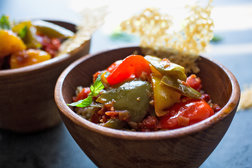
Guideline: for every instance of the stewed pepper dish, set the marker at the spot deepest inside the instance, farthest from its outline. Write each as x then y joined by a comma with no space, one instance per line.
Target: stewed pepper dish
144,93
29,42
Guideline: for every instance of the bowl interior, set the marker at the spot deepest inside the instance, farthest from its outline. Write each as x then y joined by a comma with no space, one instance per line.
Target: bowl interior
217,81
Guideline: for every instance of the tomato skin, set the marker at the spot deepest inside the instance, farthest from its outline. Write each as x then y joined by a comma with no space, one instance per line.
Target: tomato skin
194,82
186,113
131,67
82,95
113,66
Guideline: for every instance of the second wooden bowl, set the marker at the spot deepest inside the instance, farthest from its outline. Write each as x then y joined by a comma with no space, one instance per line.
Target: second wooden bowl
26,94
184,147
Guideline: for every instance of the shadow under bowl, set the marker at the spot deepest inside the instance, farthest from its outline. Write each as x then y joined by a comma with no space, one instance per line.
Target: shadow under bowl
27,101
184,147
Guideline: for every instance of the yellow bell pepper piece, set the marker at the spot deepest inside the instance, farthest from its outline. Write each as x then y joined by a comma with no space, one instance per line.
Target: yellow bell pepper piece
10,43
16,28
28,57
164,97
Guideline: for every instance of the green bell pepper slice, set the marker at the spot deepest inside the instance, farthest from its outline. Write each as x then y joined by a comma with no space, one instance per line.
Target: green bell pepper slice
167,68
52,30
133,96
181,87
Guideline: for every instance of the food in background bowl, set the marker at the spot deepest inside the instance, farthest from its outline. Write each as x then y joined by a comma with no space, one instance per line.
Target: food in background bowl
27,103
26,97
29,42
144,94
183,147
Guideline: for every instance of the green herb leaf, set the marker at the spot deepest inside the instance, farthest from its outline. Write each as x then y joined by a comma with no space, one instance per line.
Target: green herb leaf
97,87
4,22
95,90
23,32
83,103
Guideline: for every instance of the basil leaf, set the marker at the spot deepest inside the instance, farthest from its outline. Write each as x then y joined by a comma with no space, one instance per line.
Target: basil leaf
98,86
83,103
4,22
94,91
23,32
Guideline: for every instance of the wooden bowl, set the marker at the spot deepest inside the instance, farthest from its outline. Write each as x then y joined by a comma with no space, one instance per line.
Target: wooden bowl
26,99
184,147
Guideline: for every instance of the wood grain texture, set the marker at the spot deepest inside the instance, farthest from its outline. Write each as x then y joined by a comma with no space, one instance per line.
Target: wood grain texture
26,94
185,147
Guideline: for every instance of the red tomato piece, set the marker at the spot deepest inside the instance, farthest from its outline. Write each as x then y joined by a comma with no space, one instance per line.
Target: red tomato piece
82,95
50,45
113,66
194,82
131,67
186,113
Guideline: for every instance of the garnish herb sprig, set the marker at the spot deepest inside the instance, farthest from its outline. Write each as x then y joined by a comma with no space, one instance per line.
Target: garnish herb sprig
5,23
94,91
22,33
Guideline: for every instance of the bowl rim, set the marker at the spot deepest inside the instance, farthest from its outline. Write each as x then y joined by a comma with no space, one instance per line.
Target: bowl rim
130,135
44,64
